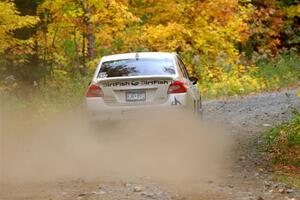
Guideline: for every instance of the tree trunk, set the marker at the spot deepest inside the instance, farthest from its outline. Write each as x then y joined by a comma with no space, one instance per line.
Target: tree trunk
91,40
83,50
90,31
76,60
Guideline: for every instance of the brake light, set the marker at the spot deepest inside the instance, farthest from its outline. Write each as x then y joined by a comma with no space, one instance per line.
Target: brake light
177,87
94,91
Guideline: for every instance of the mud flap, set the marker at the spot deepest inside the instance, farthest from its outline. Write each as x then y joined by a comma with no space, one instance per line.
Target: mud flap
198,111
176,102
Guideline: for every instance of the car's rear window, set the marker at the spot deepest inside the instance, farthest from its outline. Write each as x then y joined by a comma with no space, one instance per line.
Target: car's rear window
136,67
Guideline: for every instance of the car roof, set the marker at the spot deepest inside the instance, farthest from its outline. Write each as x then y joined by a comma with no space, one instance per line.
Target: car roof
161,55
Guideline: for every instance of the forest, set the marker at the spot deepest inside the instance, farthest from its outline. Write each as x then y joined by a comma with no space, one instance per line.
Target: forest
233,47
49,50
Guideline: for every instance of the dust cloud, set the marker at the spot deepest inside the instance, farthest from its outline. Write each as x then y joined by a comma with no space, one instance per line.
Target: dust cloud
170,146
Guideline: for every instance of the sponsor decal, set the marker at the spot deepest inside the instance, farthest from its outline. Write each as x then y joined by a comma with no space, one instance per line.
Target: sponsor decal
136,83
102,75
176,102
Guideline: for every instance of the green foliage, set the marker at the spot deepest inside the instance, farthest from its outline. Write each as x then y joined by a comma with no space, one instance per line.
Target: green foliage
278,72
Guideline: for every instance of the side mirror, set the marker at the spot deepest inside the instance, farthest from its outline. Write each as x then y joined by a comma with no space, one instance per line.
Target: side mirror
194,80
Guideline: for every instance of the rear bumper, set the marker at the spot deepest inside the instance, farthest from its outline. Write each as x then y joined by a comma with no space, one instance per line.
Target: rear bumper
98,110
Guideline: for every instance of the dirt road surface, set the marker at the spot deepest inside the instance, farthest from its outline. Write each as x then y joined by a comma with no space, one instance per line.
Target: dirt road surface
248,177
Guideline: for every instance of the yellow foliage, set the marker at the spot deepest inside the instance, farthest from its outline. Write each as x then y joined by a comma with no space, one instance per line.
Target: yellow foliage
293,11
165,38
66,36
205,30
10,21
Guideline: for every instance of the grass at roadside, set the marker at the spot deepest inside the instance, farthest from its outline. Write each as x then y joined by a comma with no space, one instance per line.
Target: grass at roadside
288,179
284,143
283,150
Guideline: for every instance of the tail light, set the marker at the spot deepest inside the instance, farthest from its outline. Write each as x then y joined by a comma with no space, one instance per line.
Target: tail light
177,87
94,91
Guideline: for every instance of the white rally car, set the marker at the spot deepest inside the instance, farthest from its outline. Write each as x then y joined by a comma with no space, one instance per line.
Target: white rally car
128,82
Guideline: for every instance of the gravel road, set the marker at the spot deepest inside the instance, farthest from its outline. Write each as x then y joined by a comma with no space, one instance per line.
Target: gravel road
248,118
250,177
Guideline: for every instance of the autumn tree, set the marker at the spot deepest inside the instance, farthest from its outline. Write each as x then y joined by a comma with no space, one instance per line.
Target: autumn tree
273,26
10,21
14,50
218,39
77,30
204,32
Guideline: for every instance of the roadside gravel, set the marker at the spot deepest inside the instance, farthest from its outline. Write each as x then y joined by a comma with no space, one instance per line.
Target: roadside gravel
247,118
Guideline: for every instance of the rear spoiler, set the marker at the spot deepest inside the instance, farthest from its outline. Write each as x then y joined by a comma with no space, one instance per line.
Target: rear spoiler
134,78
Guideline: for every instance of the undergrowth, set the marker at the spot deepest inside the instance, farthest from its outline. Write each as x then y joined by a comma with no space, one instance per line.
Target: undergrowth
283,147
53,95
269,74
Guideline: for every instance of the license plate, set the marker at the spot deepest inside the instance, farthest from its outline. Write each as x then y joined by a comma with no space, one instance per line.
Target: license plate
137,95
